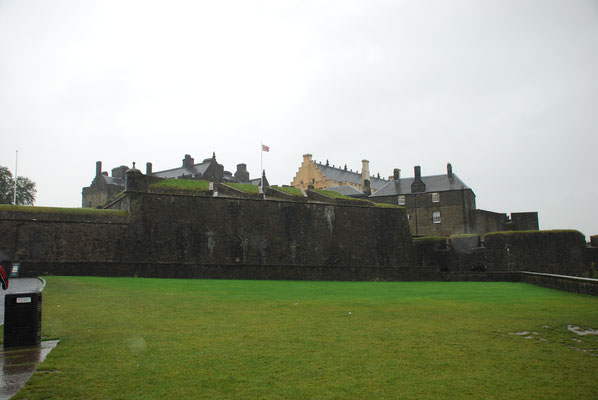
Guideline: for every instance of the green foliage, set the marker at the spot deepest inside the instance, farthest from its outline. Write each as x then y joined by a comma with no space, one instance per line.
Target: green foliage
25,188
429,238
62,210
289,190
182,184
177,339
592,273
337,195
387,205
542,232
333,194
245,187
463,235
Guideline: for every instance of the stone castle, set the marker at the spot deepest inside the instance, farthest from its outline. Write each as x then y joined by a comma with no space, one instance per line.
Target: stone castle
223,232
104,187
437,205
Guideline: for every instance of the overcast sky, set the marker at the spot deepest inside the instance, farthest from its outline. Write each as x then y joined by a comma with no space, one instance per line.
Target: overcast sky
507,91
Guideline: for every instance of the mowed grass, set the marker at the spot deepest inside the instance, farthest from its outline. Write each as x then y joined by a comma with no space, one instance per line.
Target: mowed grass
127,338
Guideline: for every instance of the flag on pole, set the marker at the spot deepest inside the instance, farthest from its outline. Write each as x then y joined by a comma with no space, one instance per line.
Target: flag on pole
265,148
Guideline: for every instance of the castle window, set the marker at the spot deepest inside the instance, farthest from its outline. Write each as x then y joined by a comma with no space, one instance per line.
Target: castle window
436,217
435,197
401,200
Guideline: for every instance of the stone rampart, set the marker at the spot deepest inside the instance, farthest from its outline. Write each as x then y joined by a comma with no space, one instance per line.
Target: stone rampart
206,236
232,235
47,236
555,252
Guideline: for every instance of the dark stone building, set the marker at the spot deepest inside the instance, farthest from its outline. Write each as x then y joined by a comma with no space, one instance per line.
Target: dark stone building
443,205
104,187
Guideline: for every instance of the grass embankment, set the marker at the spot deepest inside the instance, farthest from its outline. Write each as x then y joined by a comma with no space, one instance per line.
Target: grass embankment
182,184
244,187
293,191
62,210
127,338
337,195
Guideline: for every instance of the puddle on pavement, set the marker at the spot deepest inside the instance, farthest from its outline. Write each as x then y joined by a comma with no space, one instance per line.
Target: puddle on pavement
18,364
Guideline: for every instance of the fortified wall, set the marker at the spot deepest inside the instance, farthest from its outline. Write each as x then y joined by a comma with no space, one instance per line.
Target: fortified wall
213,234
554,252
223,232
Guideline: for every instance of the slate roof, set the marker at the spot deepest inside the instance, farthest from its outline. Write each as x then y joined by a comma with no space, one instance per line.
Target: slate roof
110,180
346,190
434,183
196,169
342,175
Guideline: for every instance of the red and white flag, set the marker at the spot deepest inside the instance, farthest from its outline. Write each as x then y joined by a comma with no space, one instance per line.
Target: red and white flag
265,148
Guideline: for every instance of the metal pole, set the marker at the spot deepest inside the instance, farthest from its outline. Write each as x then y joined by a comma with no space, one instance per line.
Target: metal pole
262,166
14,201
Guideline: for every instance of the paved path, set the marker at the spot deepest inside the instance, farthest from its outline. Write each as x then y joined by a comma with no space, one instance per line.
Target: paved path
19,285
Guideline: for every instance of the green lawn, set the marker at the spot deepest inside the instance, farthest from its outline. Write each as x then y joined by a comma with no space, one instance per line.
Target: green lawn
125,338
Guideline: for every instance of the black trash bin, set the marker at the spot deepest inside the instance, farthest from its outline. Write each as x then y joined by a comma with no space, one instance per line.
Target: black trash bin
22,319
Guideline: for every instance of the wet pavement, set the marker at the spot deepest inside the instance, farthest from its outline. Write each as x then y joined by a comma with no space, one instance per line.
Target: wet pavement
17,364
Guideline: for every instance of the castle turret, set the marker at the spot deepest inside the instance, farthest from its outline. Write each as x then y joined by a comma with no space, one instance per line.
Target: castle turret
134,179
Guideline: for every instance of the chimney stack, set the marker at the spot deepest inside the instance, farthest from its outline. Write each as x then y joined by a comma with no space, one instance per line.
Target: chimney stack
307,158
98,168
367,190
418,185
396,174
188,161
148,168
449,170
365,172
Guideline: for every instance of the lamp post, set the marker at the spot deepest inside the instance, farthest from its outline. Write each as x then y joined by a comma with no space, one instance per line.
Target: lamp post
14,201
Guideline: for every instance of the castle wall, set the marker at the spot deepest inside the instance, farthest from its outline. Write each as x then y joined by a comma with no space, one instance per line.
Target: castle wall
92,197
174,233
488,221
554,252
199,236
216,230
59,237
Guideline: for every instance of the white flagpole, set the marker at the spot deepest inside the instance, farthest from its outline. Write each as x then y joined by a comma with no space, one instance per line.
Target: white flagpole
262,166
14,201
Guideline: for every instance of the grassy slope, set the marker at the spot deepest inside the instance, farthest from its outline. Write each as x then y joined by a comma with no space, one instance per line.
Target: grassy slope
62,210
150,338
245,187
293,191
182,184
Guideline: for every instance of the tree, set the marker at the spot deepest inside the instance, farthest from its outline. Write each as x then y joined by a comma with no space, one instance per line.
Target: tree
25,188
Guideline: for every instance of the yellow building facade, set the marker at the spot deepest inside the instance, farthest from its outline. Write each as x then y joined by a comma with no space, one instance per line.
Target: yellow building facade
322,176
